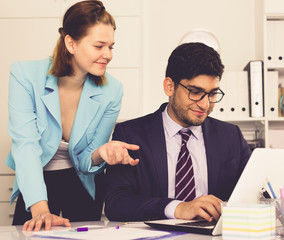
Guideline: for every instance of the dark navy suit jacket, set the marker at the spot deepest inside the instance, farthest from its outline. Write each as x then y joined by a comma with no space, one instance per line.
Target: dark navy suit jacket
141,192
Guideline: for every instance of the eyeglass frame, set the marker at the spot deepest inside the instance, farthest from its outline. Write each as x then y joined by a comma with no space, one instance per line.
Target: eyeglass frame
205,93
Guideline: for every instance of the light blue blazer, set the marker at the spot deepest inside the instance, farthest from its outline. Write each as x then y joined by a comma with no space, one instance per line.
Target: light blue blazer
35,126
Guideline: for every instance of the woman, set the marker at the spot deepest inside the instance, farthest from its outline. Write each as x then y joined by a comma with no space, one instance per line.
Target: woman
61,114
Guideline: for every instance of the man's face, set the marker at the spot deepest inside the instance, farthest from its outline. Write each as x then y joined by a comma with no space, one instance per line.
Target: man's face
185,111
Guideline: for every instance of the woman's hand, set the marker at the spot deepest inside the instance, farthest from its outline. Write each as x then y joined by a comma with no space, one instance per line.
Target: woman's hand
48,220
42,216
115,152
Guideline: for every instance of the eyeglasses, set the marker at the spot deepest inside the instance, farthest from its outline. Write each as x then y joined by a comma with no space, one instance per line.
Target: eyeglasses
197,95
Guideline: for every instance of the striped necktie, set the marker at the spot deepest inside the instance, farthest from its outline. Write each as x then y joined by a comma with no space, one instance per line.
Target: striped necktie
185,185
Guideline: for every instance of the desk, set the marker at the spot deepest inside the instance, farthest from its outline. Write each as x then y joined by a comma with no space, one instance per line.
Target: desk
15,232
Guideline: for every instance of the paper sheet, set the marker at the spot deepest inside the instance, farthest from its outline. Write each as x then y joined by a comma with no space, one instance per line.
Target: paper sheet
122,233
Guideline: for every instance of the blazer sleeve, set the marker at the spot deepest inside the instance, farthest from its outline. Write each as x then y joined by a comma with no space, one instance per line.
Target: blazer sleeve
102,133
126,199
26,150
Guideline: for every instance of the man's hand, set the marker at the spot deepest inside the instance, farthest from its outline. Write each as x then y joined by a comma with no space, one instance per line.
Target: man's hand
207,207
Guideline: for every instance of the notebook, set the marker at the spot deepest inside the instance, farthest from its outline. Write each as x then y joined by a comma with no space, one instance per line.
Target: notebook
263,163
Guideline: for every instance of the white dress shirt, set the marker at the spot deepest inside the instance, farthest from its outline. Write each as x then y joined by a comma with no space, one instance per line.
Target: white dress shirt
61,159
196,148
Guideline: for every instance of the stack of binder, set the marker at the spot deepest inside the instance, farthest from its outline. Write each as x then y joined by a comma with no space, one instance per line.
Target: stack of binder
234,105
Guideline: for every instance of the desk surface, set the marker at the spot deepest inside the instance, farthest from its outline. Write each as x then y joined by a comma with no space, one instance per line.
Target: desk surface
15,232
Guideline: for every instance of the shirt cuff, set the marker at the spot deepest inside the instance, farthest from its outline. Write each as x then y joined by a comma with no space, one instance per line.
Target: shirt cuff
171,208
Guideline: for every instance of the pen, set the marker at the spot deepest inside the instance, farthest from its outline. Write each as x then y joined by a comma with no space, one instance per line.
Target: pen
282,193
271,189
83,229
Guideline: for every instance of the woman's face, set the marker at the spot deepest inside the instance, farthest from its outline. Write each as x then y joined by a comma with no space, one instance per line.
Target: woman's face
92,53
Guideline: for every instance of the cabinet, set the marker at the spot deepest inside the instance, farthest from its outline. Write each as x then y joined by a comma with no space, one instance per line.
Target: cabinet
30,31
273,56
269,129
273,22
6,209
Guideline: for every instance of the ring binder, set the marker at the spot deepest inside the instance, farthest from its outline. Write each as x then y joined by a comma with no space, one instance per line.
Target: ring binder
255,84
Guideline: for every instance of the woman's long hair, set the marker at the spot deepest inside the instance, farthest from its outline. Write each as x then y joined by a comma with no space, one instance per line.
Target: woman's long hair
76,22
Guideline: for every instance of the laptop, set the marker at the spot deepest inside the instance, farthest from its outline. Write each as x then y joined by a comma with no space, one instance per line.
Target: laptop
263,163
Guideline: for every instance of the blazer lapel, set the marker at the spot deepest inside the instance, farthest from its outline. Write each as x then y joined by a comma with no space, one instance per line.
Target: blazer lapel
213,154
86,111
158,148
51,98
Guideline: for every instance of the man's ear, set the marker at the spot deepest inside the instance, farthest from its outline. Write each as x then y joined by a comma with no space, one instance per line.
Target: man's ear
169,86
70,44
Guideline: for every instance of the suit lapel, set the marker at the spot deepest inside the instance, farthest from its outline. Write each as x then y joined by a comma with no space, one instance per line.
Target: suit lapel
51,98
213,154
156,136
86,111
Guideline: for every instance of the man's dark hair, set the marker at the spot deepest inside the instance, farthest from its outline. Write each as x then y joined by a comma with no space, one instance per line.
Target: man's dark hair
190,60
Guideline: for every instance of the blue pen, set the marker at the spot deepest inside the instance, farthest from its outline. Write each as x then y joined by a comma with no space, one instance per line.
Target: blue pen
271,189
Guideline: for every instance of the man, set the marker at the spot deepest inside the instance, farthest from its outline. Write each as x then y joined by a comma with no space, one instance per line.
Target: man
181,174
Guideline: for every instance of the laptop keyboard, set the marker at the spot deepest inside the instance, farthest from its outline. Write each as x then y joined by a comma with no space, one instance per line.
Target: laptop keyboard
201,223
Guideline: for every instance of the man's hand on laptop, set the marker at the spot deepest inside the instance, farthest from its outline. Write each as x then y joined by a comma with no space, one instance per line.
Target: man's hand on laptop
207,207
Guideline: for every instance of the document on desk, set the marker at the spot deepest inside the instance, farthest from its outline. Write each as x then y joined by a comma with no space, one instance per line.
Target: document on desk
121,233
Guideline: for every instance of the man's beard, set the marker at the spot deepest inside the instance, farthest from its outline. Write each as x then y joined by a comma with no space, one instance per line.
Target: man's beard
182,115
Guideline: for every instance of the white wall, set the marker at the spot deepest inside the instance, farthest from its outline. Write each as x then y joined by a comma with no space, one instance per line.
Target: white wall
167,21
148,31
